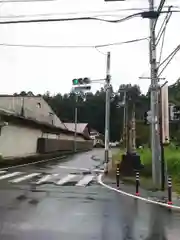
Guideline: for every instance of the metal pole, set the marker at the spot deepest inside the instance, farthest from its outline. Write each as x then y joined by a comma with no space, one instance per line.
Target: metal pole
127,127
133,130
75,132
124,122
107,114
161,141
154,102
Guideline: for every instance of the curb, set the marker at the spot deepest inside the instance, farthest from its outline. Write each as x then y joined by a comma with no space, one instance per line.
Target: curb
136,197
32,161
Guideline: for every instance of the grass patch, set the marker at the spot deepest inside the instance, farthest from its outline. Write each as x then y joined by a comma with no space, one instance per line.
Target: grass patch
172,162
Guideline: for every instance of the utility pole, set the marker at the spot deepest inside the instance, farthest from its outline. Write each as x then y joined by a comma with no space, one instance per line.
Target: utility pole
155,145
75,120
124,121
107,113
133,129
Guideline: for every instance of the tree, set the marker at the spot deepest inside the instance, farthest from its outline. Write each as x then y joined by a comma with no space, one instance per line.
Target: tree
91,109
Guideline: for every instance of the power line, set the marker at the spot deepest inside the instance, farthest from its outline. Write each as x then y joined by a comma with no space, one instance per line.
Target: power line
77,19
119,43
73,46
159,10
168,59
162,33
163,26
69,19
74,13
24,1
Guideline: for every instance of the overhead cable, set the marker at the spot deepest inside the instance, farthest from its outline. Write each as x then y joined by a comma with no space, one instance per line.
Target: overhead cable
74,13
163,26
73,46
159,10
68,19
25,1
168,59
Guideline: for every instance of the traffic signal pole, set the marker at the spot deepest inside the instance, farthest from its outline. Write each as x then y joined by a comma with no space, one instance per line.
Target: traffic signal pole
107,114
75,120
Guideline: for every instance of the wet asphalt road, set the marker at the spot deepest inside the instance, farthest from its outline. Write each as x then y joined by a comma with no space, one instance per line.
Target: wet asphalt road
69,212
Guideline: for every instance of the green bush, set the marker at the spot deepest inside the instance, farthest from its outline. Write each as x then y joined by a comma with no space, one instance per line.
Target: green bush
172,160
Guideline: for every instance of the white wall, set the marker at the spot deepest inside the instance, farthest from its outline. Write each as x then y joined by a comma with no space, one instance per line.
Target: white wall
70,137
18,140
50,136
62,136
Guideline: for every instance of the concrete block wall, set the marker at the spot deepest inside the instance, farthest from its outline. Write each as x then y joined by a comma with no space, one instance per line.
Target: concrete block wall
45,145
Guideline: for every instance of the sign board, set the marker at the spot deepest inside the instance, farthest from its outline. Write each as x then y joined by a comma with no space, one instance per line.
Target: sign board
165,113
82,88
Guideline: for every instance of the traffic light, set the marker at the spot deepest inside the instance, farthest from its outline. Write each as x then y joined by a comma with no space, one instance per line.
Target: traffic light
81,81
147,117
75,81
174,113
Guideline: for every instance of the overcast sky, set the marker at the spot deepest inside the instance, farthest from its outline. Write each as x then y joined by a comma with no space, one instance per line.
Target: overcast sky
52,69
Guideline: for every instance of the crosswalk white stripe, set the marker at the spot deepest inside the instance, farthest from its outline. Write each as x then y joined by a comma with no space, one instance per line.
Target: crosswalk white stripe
10,175
46,178
20,179
66,179
85,180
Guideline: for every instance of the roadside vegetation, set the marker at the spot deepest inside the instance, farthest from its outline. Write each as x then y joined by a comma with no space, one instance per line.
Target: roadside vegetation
172,165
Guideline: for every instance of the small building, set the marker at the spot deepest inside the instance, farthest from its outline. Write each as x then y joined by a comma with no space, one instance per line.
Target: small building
25,120
86,130
81,128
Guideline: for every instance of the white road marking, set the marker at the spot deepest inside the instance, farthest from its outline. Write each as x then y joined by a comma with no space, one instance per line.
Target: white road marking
85,180
73,168
2,172
81,169
46,178
10,175
66,179
17,180
134,196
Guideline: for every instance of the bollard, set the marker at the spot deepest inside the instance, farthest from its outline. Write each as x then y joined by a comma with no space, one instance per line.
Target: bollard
137,183
169,190
117,175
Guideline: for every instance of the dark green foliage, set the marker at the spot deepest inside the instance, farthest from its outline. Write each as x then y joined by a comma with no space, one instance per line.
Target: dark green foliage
91,109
